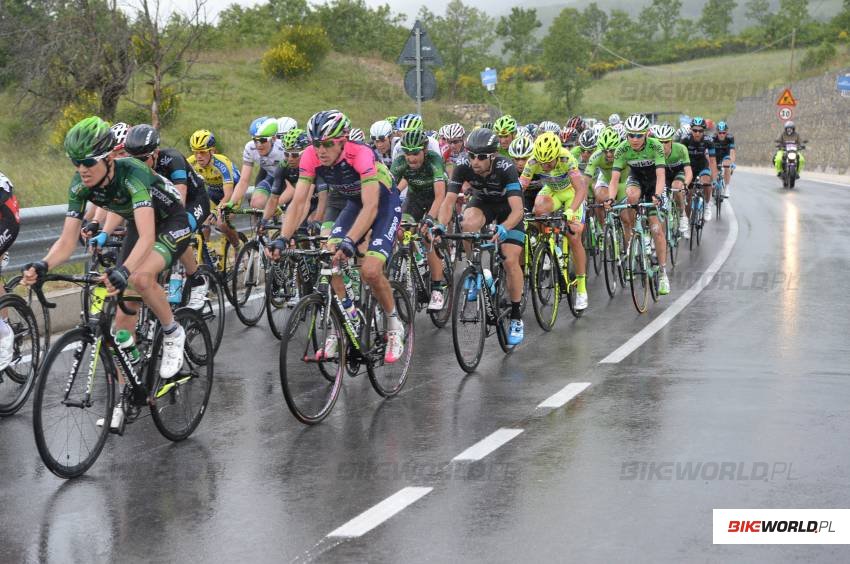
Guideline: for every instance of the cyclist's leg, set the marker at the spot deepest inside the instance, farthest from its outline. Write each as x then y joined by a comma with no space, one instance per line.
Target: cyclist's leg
600,195
197,212
727,172
707,186
345,219
544,204
262,189
512,248
656,227
633,192
474,218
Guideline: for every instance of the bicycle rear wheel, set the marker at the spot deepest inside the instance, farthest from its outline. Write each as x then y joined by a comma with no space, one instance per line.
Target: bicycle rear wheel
440,318
590,239
228,268
718,198
249,283
545,289
41,313
178,404
310,380
74,389
389,379
18,378
701,222
469,326
213,309
639,277
503,308
610,261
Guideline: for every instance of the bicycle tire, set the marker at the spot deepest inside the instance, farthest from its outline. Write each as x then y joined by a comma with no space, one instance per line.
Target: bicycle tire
279,293
701,223
463,316
77,340
41,313
385,378
503,309
195,380
313,312
228,265
610,262
213,310
593,247
718,199
249,284
18,378
639,282
442,317
545,289
694,224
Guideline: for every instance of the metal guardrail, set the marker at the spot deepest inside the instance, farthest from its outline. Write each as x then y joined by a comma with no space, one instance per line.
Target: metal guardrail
40,228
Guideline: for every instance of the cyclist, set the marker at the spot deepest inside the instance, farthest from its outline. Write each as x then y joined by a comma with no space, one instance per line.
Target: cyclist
701,152
284,125
356,134
599,167
423,174
569,137
789,135
157,231
496,196
411,122
264,150
563,187
10,220
549,126
286,177
219,175
454,133
371,202
520,150
505,129
586,145
678,172
725,152
381,135
614,119
646,183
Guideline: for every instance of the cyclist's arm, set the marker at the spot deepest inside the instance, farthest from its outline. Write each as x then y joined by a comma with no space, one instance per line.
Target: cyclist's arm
112,221
143,217
689,175
64,247
439,195
242,186
732,155
297,207
402,184
446,209
614,184
320,207
660,180
580,185
183,189
517,211
370,196
271,204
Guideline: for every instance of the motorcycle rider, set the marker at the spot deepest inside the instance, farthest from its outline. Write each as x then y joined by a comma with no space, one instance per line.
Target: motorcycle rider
789,135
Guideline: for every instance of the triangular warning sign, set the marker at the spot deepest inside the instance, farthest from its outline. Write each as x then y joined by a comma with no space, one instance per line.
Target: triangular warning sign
429,54
787,99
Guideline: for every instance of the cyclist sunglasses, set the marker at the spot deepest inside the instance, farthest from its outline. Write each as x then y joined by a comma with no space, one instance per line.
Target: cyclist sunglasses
326,144
415,151
456,141
480,156
379,138
88,163
261,140
291,154
636,135
697,130
143,158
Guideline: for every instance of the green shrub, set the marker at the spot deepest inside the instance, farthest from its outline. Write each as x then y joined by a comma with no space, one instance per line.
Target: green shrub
818,56
285,61
311,40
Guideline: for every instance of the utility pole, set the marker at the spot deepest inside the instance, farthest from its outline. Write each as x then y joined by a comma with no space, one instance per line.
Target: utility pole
793,42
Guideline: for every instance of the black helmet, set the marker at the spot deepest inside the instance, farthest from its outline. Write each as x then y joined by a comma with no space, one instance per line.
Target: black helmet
142,140
482,140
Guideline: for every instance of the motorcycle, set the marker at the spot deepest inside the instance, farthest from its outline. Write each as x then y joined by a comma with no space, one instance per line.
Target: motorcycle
790,164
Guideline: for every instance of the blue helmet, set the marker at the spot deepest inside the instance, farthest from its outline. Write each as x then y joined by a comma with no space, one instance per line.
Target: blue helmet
698,122
255,125
722,126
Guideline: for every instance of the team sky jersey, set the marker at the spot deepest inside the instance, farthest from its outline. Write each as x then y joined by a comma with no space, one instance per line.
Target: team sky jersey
723,147
501,182
433,145
643,162
676,161
133,186
420,182
172,165
577,153
216,174
559,178
251,157
598,165
699,151
8,198
356,165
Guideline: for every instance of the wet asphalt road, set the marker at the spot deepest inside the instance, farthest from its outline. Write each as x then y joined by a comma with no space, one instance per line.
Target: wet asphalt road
751,373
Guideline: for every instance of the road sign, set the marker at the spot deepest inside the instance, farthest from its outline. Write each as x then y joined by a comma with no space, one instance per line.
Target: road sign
428,84
428,52
842,84
787,99
785,113
489,77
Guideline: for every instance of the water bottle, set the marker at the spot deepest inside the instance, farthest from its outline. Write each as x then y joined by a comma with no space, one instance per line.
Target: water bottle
488,278
175,287
127,343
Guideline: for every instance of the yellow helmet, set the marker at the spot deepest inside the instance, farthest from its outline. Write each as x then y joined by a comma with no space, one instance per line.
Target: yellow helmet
547,147
202,140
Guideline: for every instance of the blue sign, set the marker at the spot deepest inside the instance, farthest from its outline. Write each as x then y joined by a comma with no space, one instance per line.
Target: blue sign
489,77
684,119
842,83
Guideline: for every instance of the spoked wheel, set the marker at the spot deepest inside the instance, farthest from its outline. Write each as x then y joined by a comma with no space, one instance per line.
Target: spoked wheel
282,283
229,266
41,313
21,337
503,309
695,217
591,242
388,378
673,237
469,326
545,289
610,261
249,283
440,318
178,404
212,311
639,276
73,393
310,378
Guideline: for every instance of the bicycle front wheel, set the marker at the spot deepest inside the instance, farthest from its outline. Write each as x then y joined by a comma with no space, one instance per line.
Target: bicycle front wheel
545,290
639,277
18,378
212,311
178,404
503,309
281,293
469,327
72,406
388,378
249,283
228,266
310,376
440,318
610,261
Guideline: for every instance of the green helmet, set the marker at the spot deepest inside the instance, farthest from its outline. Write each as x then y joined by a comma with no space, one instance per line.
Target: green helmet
89,138
392,120
608,139
410,122
295,139
505,125
414,141
268,128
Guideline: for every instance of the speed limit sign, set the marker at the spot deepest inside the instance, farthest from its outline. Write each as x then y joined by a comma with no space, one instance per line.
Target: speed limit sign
785,113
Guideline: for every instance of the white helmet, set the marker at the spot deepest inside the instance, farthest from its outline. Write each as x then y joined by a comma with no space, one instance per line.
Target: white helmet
598,127
454,131
119,133
356,134
381,128
549,126
285,124
621,131
637,123
613,119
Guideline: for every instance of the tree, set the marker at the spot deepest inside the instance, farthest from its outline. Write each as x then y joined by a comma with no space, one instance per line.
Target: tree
666,13
464,36
594,24
624,35
564,60
165,50
516,30
717,18
758,12
354,27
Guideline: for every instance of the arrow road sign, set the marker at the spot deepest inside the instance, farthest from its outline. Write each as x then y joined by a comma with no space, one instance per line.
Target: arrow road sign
428,84
429,54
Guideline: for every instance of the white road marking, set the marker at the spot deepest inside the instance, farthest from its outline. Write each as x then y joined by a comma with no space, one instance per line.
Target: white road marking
379,513
487,445
567,393
676,307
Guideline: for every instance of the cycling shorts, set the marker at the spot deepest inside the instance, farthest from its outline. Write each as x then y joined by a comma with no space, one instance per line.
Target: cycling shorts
264,183
336,202
417,206
560,198
172,238
621,189
383,228
497,211
9,228
198,209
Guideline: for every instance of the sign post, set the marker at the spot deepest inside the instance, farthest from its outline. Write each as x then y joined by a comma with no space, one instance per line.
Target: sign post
418,52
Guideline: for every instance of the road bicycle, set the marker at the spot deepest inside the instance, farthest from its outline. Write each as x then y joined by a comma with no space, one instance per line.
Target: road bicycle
552,271
697,211
250,273
642,270
288,279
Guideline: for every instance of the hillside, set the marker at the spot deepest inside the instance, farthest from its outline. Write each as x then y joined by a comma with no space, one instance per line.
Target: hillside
226,92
